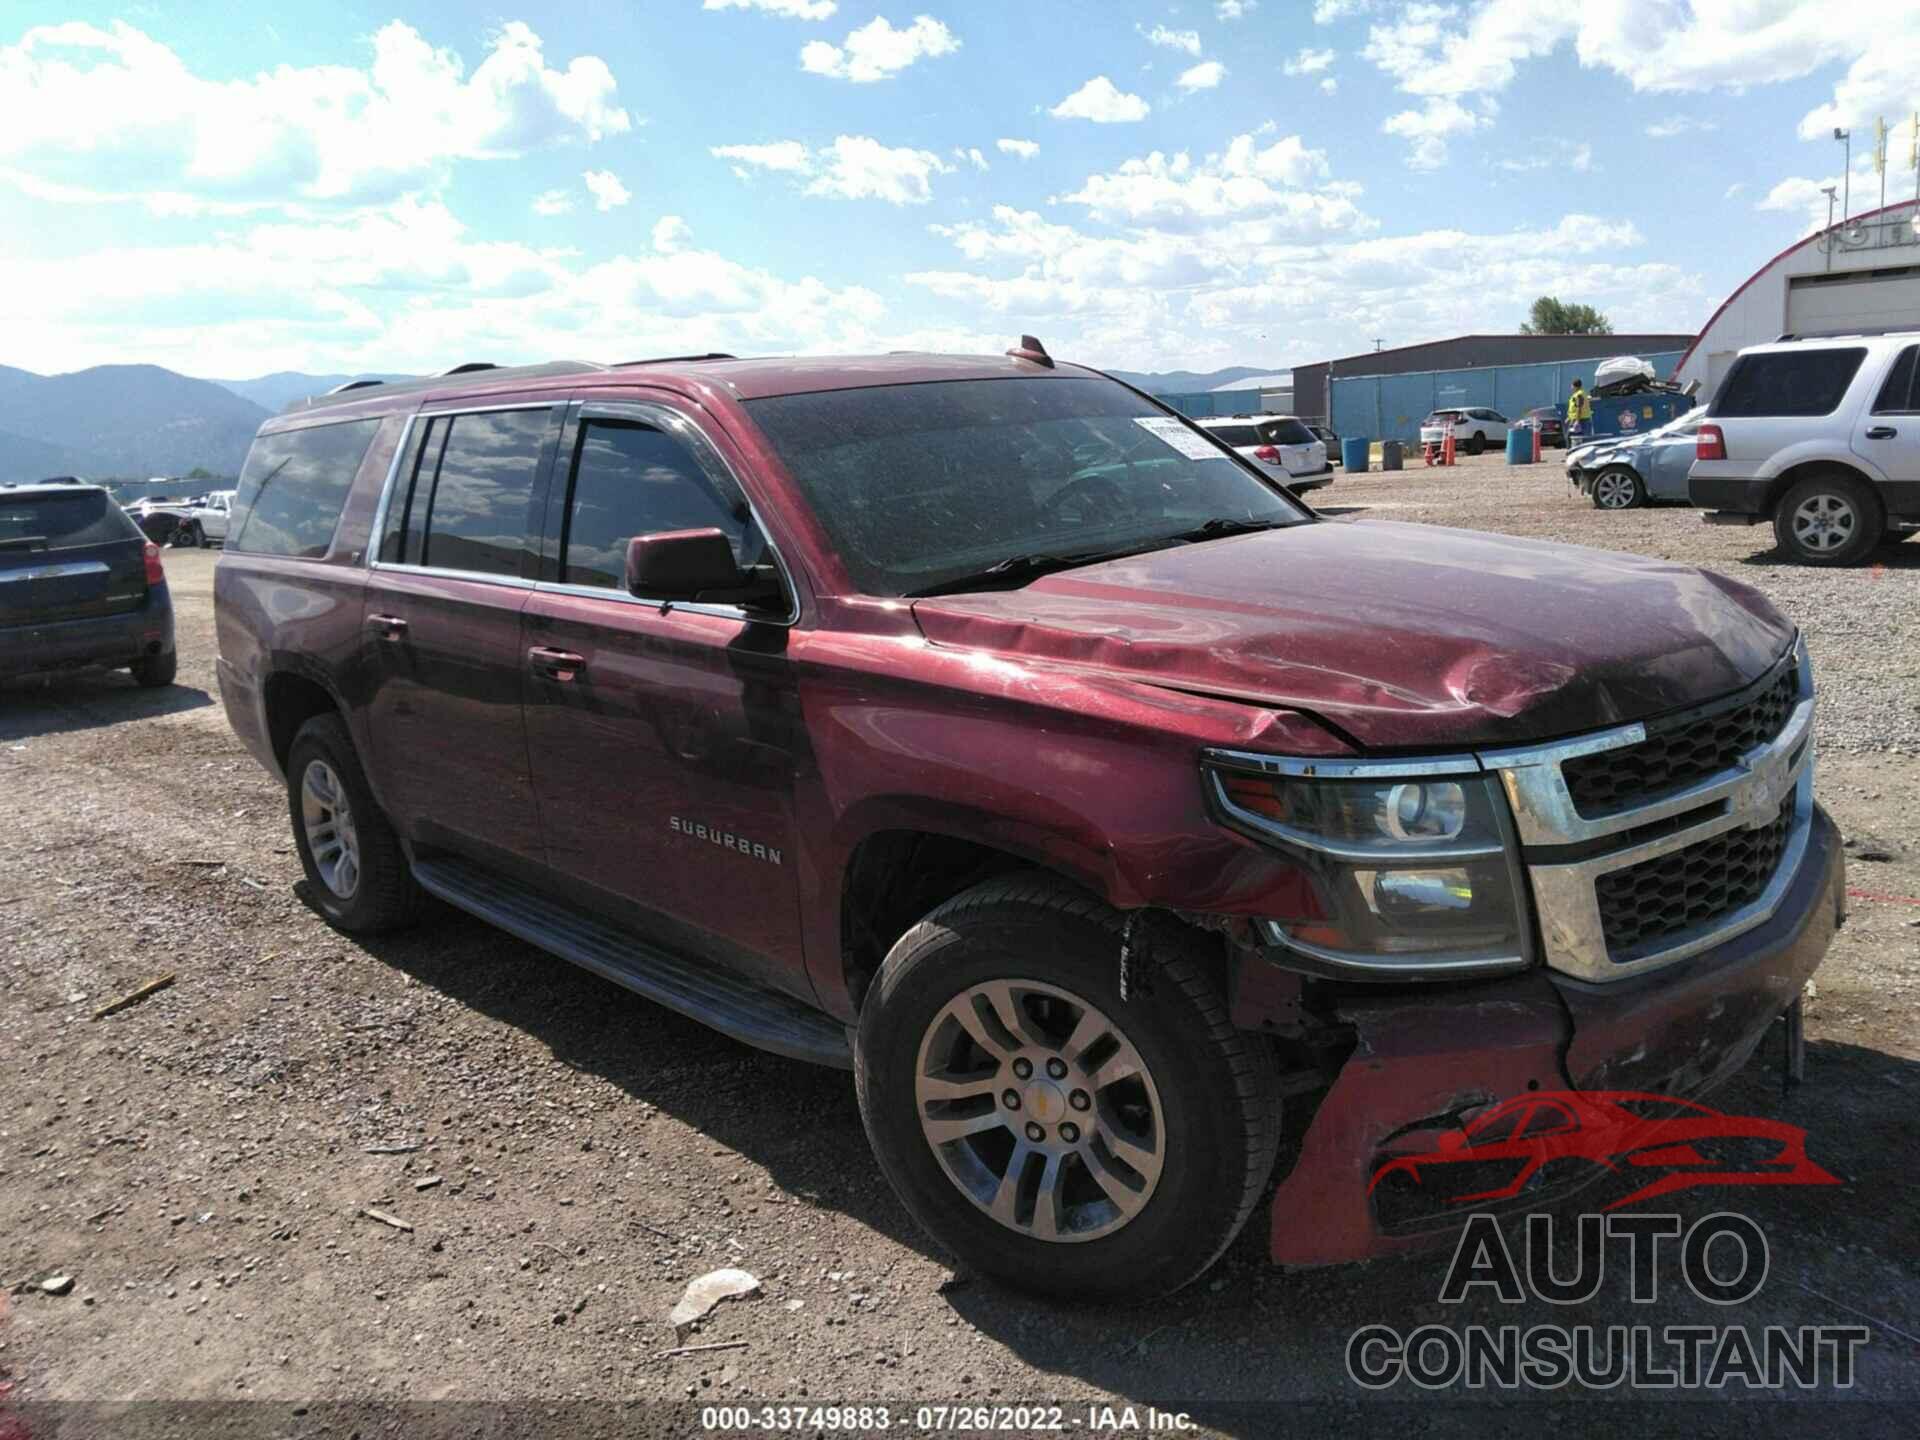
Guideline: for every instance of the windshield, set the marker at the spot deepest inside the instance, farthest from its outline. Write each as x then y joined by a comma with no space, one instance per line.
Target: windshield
1440,417
1235,435
922,486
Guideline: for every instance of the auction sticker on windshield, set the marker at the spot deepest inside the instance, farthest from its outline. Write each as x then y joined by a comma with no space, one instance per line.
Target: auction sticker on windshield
1172,433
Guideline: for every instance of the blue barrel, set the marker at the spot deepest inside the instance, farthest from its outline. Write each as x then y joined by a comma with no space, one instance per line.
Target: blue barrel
1520,445
1354,455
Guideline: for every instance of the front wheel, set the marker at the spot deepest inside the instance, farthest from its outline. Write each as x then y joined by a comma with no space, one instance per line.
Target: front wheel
358,873
1051,1134
1828,520
1618,488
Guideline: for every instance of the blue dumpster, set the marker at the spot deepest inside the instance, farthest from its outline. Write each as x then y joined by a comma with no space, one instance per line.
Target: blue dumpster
1520,445
1354,455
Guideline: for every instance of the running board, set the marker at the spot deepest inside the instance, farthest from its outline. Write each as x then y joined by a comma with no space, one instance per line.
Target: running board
753,1016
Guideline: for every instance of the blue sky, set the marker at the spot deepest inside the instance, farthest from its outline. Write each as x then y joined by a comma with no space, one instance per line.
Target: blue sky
229,190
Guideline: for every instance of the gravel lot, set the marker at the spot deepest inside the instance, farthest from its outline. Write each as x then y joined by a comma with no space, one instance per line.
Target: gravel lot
199,1164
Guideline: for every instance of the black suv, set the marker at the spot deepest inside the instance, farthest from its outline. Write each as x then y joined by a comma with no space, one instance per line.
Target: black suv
80,586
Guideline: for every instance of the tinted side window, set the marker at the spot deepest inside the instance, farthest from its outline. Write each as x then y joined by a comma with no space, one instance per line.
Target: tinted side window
478,516
1897,392
1238,435
293,487
628,480
1286,432
1788,382
61,522
406,522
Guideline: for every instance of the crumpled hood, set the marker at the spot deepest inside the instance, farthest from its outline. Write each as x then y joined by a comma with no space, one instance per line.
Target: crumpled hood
1403,636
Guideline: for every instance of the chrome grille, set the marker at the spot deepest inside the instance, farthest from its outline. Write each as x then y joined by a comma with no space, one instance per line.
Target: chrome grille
1644,904
1681,751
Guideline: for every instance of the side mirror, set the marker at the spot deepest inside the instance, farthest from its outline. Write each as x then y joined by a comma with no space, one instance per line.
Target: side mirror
695,565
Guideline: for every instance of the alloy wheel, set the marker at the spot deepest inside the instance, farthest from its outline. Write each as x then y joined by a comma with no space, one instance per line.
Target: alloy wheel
1614,490
1824,522
332,839
1040,1110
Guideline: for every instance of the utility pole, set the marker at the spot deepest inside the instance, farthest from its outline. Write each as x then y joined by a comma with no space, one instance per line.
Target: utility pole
1880,155
1846,172
1377,343
1827,239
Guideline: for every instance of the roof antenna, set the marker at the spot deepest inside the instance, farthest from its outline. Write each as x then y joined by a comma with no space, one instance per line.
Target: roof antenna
1032,349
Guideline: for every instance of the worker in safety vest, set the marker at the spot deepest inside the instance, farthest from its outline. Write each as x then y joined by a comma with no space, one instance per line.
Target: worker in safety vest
1579,412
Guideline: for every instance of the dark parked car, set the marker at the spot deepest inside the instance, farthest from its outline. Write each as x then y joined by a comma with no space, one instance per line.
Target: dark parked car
163,521
80,586
1551,424
985,727
1327,438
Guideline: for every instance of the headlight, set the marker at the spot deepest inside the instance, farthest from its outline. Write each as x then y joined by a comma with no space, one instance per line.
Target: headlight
1401,874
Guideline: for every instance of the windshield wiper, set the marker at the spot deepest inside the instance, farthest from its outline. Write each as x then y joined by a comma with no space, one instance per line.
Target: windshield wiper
1219,526
1015,570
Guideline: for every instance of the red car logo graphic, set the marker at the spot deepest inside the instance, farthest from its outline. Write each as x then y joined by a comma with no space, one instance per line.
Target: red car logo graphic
1621,1131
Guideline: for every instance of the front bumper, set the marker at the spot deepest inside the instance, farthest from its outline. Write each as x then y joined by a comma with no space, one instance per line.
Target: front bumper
1423,1059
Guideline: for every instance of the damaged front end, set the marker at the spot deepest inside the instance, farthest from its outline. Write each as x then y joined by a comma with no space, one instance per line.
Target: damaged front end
1627,911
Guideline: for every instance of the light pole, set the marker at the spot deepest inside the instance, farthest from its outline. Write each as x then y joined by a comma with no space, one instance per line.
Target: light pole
1845,137
1827,239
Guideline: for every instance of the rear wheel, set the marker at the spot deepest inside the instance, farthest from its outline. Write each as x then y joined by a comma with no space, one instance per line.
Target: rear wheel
156,670
1831,519
1477,443
1618,488
1052,1134
359,875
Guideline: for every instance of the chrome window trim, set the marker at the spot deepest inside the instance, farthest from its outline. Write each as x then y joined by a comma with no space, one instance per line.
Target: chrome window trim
378,533
684,428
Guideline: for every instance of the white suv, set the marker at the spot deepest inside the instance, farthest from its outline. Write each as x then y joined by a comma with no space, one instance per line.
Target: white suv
1474,428
1820,436
1278,444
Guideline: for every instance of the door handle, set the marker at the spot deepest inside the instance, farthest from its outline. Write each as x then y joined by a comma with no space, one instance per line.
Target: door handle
388,627
1882,432
561,665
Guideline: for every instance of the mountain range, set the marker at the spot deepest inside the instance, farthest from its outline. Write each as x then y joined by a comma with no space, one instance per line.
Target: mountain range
134,421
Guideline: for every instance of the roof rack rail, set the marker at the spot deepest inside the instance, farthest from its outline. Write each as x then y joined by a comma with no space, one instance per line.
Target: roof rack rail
1850,332
677,359
489,373
468,369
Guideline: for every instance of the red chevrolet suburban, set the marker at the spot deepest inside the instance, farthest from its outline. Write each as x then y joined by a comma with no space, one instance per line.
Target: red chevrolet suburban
982,726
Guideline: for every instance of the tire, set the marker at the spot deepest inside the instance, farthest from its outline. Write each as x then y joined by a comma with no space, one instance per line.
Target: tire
1477,443
1618,488
1851,514
382,894
1210,1092
156,670
196,537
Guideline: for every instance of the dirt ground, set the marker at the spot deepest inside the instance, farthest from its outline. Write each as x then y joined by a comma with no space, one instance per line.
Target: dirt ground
200,1165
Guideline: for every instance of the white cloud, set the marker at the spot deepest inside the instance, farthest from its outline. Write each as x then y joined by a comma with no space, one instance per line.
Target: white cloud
670,234
786,157
1678,125
1148,297
91,113
1329,85
1326,12
552,202
1735,190
607,191
876,50
407,287
970,155
1187,40
854,167
1309,62
1807,197
1429,129
790,9
1204,76
1103,102
1234,9
1025,149
1567,155
1679,46
1283,180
